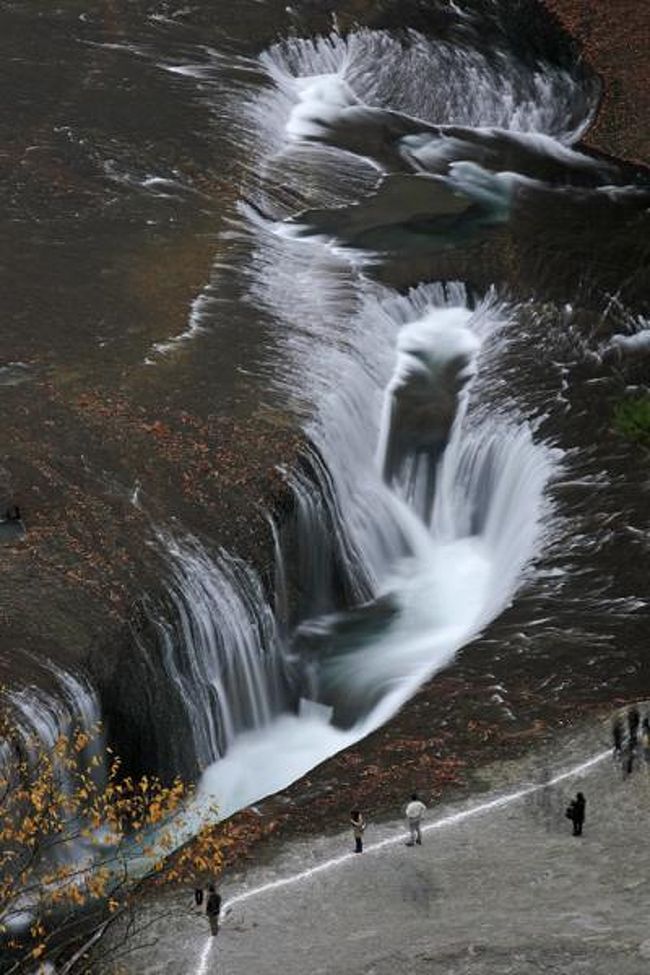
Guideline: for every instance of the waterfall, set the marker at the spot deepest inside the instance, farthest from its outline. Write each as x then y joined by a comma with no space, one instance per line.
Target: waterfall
420,503
220,649
431,580
42,716
435,358
315,78
418,509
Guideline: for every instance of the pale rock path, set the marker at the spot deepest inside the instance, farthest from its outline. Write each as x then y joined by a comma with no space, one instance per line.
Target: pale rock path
497,888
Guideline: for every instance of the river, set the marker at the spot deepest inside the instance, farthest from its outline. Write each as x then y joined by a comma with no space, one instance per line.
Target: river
368,229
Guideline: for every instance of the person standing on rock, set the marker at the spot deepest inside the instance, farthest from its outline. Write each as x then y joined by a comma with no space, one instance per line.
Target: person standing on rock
576,813
358,824
414,812
633,719
213,909
628,756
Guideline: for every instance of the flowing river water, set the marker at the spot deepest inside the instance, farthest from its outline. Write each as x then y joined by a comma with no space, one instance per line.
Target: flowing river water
378,221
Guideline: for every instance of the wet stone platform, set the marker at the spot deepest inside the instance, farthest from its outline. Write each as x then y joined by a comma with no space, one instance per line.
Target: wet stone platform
504,890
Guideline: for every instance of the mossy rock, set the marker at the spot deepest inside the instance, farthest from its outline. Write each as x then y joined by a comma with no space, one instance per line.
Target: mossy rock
632,419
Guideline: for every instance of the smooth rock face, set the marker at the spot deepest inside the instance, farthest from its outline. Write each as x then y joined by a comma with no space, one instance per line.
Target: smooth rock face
506,891
615,39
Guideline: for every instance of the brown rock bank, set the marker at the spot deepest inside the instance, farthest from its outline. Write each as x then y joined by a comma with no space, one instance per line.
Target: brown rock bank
615,39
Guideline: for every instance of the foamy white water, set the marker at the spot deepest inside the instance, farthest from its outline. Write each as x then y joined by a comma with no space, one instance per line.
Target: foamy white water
417,503
430,510
380,70
445,576
222,651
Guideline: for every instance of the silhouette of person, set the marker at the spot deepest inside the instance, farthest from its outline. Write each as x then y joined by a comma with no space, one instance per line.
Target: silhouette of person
633,719
358,826
198,896
213,909
576,813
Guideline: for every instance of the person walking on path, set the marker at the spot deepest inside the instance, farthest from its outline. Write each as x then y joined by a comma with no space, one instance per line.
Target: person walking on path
414,812
213,909
358,824
576,813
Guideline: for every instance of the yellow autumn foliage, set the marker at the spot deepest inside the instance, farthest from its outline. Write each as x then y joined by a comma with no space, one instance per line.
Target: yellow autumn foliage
70,825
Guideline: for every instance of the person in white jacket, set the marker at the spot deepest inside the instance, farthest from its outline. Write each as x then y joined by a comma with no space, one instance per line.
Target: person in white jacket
414,812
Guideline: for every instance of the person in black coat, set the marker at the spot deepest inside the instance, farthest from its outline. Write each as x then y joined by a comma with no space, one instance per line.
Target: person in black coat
213,909
633,720
576,813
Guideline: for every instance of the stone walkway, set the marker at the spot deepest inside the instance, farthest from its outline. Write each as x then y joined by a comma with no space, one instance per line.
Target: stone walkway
504,890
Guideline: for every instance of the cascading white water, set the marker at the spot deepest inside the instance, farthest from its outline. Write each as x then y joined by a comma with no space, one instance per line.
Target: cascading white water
434,362
463,86
419,508
444,579
43,717
221,650
428,507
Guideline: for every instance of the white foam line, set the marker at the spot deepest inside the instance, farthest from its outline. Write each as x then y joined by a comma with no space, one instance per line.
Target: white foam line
451,820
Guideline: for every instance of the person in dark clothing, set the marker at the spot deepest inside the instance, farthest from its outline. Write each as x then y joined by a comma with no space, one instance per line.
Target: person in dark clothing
617,737
213,909
633,720
576,813
358,824
198,896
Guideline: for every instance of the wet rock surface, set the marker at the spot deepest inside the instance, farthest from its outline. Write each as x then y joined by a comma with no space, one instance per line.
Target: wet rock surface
614,38
505,890
114,427
97,474
192,438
